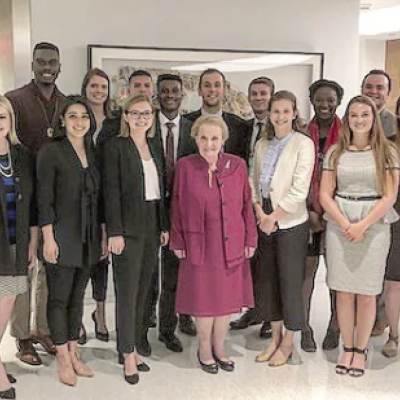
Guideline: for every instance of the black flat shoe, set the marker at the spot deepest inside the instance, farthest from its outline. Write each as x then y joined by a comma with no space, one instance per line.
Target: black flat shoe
228,366
104,337
142,367
11,379
8,394
132,379
209,368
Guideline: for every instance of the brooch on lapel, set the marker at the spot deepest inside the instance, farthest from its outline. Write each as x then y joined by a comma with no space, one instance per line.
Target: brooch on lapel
228,164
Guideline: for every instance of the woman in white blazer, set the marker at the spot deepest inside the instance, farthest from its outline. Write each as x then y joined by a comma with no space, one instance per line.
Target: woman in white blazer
280,180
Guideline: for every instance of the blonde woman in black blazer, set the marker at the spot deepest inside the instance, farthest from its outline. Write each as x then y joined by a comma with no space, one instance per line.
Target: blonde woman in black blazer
68,194
136,224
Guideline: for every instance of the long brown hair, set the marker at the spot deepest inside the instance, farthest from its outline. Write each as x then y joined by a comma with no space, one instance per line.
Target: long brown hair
89,75
269,131
384,151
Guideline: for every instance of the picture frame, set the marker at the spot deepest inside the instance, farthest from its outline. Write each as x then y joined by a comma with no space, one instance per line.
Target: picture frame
293,71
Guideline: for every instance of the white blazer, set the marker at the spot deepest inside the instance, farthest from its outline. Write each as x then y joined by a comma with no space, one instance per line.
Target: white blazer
291,181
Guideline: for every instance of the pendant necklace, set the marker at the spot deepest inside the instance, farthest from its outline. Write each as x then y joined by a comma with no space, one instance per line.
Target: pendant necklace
51,125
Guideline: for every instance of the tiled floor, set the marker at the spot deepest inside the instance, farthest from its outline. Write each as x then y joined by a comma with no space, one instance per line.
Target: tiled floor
177,376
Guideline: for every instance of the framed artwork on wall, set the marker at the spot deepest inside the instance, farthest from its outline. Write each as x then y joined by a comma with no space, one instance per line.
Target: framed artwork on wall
293,71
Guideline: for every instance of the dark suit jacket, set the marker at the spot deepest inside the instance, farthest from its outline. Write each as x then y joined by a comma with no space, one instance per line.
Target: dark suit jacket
26,213
186,144
68,199
124,195
238,131
111,128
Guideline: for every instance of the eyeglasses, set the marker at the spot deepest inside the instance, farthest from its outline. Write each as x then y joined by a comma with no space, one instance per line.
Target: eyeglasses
137,114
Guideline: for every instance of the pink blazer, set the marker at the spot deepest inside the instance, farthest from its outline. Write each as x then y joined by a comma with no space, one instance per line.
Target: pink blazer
188,202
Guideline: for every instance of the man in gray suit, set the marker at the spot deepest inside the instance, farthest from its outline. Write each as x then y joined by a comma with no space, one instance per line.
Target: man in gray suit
377,85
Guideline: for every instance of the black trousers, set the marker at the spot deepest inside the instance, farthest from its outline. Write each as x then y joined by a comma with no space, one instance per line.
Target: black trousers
99,278
282,261
133,271
169,275
66,290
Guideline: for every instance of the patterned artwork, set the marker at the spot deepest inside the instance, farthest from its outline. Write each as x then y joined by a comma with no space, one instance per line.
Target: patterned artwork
234,101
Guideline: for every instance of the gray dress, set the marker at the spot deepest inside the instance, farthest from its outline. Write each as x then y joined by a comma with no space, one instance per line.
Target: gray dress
357,267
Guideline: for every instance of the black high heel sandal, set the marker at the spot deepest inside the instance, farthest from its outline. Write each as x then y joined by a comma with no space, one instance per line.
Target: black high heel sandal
358,372
342,369
209,368
99,335
11,379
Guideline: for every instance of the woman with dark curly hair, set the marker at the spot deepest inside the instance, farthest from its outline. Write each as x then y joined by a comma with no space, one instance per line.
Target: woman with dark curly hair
324,128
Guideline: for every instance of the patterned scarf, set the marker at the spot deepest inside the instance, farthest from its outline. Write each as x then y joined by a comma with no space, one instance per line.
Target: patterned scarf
332,138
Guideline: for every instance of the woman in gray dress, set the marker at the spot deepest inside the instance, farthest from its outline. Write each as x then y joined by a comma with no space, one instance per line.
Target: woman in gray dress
18,225
358,190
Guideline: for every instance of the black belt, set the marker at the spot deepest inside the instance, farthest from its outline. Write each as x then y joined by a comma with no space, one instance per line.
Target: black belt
359,198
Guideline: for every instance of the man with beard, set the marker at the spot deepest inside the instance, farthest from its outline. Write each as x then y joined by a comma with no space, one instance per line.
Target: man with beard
259,94
37,108
212,86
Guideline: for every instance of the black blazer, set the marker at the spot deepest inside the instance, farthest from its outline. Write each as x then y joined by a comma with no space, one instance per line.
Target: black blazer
23,168
124,196
68,197
238,131
186,144
249,124
111,128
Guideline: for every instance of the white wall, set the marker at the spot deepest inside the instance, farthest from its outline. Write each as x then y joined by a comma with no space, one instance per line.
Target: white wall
372,56
288,25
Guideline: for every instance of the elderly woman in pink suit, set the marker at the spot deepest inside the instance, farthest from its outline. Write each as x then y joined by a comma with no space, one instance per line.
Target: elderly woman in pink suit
214,235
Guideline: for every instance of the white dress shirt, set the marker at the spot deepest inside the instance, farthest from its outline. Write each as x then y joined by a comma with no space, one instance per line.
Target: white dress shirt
164,131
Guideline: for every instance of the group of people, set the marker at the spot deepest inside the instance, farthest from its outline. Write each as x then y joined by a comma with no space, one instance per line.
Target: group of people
242,211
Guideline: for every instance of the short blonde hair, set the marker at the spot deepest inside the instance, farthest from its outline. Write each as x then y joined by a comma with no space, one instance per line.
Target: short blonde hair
12,135
210,120
134,99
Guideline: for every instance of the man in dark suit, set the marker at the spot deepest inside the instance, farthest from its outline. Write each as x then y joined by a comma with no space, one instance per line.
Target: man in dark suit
174,140
212,87
259,94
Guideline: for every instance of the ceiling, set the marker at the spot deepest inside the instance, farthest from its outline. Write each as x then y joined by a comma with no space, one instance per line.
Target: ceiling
378,4
375,4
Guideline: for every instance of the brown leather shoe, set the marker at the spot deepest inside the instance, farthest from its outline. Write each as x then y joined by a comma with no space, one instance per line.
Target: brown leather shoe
45,341
390,349
379,328
27,353
249,318
186,325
